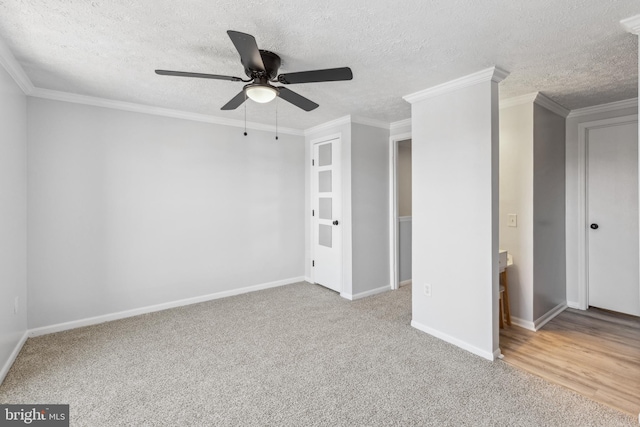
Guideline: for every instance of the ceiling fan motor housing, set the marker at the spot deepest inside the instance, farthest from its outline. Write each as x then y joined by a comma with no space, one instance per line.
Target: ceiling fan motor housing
271,65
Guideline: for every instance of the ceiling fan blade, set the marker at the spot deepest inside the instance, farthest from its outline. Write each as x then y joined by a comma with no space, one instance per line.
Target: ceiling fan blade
248,50
328,75
297,100
235,102
200,75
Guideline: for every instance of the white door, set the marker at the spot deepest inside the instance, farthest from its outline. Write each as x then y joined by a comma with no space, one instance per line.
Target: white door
612,217
327,211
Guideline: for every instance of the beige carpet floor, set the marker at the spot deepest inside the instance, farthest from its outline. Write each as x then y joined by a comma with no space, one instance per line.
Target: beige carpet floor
297,355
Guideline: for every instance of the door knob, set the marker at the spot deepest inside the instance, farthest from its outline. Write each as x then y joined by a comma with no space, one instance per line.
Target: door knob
594,226
335,222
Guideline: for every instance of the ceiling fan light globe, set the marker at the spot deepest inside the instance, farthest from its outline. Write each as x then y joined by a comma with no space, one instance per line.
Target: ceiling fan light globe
261,94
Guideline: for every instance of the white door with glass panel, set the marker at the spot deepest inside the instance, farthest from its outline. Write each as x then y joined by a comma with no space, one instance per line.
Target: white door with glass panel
327,215
612,215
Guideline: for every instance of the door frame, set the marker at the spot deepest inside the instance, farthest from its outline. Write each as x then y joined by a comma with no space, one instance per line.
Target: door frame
313,193
583,174
393,208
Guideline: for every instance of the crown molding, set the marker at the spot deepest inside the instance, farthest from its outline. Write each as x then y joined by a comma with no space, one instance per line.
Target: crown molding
537,98
346,120
551,105
604,108
493,74
632,24
157,111
370,122
327,125
400,124
529,98
15,70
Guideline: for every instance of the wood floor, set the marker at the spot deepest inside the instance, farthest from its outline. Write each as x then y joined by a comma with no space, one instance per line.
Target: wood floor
595,353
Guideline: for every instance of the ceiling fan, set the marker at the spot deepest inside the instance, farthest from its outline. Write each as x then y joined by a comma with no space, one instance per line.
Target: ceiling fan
261,66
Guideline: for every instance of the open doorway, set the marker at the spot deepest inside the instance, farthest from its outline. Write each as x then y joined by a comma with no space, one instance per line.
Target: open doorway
400,210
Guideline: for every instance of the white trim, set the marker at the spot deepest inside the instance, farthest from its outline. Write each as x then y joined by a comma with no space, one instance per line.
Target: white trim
604,108
12,357
405,282
526,324
394,273
308,279
394,270
455,341
518,100
537,98
537,324
15,70
156,111
370,122
328,125
399,124
346,120
573,304
551,105
583,242
353,297
405,218
493,74
632,24
158,307
325,139
549,315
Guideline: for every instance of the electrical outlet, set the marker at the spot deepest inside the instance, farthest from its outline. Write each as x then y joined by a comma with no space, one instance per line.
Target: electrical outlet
16,305
512,220
427,290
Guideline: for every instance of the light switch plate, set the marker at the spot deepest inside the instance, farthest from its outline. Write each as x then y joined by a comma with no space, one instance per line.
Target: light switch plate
512,220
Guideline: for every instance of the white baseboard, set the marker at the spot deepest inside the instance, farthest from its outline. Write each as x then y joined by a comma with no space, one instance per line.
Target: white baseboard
546,318
12,356
573,304
308,279
353,297
526,324
537,324
405,283
497,354
457,342
159,307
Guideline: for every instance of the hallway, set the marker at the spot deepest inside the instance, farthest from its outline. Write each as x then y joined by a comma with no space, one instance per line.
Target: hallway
595,353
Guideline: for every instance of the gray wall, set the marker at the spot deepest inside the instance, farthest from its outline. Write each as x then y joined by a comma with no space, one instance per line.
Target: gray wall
370,207
127,210
404,249
516,197
548,211
13,216
532,185
403,173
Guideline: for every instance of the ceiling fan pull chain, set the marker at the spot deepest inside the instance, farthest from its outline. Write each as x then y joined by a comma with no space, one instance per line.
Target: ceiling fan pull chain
245,115
276,119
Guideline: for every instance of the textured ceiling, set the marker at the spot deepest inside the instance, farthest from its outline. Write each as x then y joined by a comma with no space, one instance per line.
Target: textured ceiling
574,51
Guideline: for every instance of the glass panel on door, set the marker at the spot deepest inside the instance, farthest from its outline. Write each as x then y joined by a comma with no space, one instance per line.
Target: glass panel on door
325,208
324,154
324,181
324,235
